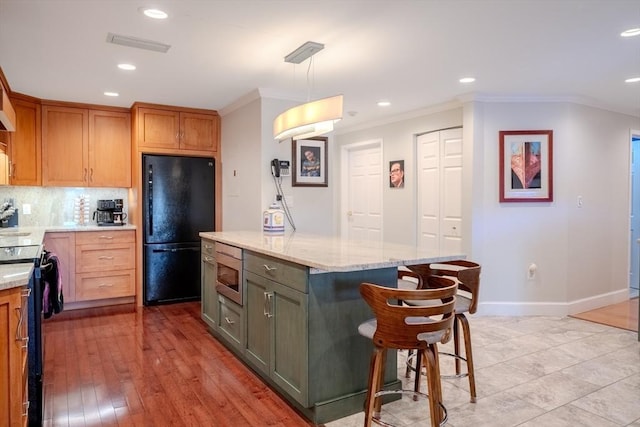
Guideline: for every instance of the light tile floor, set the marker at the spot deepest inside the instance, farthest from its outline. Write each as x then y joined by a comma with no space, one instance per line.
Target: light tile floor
534,371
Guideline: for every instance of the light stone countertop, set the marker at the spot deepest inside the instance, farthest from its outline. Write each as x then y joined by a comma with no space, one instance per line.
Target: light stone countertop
14,275
324,254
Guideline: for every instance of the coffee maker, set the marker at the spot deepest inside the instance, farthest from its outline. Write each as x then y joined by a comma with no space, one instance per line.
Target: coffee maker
110,212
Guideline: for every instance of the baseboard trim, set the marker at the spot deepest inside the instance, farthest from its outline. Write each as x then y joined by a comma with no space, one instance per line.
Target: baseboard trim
549,308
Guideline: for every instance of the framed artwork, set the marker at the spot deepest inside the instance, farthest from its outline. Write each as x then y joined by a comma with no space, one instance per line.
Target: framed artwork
526,166
309,162
396,174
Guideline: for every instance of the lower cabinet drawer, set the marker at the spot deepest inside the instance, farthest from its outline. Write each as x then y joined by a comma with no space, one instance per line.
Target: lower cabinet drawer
90,286
230,321
90,258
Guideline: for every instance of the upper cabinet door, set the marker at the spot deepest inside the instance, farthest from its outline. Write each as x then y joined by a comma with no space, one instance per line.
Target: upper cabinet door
199,131
25,148
109,149
158,128
65,146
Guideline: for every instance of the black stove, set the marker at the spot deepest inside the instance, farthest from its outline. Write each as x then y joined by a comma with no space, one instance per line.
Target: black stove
32,254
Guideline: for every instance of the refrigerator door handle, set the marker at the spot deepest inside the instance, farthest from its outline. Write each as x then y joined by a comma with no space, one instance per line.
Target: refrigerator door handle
150,198
195,249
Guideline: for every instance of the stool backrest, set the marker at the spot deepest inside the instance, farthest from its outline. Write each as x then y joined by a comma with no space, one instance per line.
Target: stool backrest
399,326
466,272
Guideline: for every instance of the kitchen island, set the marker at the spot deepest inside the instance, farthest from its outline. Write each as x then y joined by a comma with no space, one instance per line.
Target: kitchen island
297,326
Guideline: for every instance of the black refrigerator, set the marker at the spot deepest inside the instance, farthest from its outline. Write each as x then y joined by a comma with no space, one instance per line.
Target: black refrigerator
178,203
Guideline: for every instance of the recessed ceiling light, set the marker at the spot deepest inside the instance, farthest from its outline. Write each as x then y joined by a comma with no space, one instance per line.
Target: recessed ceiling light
633,80
154,13
630,33
467,80
383,103
128,67
112,94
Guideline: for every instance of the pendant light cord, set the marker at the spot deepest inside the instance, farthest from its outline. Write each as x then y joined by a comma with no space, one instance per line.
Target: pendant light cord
285,207
309,84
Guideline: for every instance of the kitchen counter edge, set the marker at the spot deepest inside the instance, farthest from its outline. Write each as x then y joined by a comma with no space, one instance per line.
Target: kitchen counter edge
16,275
324,254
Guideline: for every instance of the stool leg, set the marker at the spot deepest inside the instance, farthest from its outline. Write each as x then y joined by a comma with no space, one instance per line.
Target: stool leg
438,383
380,382
416,384
469,355
370,400
456,343
430,362
407,372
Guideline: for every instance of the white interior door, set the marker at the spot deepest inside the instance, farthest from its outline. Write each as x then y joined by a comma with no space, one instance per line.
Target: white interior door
362,169
439,165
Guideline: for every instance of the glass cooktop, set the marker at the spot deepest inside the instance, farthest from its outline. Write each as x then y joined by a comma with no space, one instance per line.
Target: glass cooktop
19,254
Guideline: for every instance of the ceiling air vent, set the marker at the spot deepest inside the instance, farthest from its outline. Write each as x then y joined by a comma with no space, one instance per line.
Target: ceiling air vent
138,43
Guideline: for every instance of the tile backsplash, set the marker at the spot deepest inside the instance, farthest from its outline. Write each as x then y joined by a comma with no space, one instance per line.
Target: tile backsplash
54,206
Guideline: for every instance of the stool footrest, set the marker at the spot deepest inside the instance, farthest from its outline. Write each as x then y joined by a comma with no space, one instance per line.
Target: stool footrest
462,375
413,393
446,377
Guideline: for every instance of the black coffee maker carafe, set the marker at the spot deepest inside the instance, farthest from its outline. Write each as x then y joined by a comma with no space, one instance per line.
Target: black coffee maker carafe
110,212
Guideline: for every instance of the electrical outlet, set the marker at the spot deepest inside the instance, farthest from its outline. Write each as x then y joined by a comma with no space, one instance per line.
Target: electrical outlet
26,209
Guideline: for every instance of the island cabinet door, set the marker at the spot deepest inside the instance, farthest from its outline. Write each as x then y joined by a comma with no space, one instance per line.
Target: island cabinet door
209,294
258,329
289,341
277,334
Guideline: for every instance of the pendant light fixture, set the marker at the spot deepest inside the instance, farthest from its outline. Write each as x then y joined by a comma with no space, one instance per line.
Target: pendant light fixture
314,117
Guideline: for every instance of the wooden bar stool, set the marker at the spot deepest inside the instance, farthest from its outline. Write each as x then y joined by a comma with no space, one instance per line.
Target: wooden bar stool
408,327
467,276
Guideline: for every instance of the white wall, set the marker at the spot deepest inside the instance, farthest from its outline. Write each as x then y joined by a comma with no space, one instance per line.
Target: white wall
581,253
242,168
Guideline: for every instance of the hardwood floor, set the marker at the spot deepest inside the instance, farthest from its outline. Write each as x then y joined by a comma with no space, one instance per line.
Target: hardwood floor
150,366
622,315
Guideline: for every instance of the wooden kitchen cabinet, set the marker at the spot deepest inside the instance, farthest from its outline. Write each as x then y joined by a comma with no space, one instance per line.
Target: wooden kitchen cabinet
4,159
14,373
105,264
96,267
85,147
25,148
109,149
63,245
172,128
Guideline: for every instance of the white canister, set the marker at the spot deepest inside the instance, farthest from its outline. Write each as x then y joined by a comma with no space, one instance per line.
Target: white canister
273,219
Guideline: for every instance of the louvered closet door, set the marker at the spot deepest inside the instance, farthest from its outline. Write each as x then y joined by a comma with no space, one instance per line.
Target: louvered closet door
440,191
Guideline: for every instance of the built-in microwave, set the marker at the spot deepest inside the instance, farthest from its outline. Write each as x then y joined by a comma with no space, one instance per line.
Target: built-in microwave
229,271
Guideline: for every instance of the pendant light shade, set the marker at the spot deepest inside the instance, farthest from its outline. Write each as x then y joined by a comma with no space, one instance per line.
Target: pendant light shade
307,120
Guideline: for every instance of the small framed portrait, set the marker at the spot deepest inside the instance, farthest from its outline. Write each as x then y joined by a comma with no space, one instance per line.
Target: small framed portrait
309,162
396,174
526,166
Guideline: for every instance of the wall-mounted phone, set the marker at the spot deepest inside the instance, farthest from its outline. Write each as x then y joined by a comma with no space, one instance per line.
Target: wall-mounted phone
280,168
